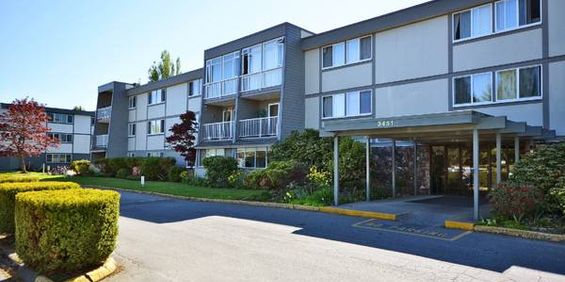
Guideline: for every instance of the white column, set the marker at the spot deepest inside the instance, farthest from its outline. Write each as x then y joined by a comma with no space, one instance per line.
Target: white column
393,168
476,174
368,169
498,158
516,149
336,170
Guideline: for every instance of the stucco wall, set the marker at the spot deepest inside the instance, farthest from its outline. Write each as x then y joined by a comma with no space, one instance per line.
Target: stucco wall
312,71
312,113
557,97
412,99
556,27
347,77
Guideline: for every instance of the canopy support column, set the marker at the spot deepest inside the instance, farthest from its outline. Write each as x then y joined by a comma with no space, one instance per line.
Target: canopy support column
368,169
336,170
498,158
393,168
415,168
475,174
516,149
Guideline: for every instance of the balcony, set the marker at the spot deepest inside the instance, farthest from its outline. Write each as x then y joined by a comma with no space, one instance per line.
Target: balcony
217,130
104,114
261,80
220,88
259,127
101,141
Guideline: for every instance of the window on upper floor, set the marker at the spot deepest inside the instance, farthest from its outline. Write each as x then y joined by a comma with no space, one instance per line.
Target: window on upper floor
347,52
520,83
62,137
222,68
131,129
195,87
156,126
473,22
350,104
473,89
60,118
132,101
511,14
156,96
262,57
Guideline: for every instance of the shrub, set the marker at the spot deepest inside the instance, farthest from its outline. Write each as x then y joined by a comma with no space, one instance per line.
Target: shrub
65,231
154,168
8,193
18,178
122,173
558,194
516,201
277,176
82,167
219,169
304,147
174,174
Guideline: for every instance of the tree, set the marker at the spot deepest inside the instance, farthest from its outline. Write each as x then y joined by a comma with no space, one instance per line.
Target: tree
164,69
182,139
78,108
23,131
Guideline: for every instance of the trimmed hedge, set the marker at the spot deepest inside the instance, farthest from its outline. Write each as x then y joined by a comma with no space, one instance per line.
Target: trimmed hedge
8,193
82,167
219,169
19,178
66,230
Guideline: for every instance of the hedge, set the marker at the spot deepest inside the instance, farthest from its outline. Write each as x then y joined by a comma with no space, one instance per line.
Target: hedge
18,178
82,167
8,193
66,230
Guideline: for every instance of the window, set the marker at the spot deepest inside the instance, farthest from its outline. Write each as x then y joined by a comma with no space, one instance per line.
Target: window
156,96
132,102
131,129
348,104
58,158
272,54
519,83
252,157
63,138
214,70
195,87
156,126
348,52
60,118
511,14
251,60
472,89
473,23
131,155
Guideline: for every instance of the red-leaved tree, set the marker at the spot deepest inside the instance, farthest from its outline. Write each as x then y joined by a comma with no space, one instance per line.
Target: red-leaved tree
182,140
23,131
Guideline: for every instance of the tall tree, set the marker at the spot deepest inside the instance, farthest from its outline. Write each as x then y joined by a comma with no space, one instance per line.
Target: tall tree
23,131
165,68
182,139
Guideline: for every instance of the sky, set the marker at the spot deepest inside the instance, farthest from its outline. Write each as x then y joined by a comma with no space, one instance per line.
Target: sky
59,51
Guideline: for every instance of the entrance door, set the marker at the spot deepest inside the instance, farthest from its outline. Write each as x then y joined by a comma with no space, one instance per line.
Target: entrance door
272,112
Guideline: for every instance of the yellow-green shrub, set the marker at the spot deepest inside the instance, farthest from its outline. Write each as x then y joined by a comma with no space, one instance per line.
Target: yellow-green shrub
18,178
66,230
8,193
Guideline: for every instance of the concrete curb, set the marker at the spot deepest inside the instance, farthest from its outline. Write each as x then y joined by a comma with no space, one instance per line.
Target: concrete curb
527,234
28,275
453,224
330,210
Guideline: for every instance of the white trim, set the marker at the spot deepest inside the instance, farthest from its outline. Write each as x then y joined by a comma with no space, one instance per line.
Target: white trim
492,99
345,105
518,98
345,52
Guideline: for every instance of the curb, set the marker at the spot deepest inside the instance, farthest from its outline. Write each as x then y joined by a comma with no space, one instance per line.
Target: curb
109,266
329,210
527,234
461,225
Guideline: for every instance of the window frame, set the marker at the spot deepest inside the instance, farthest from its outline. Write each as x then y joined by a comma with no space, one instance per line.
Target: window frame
131,105
345,116
68,158
162,97
244,150
192,93
359,60
471,10
131,133
472,76
518,96
161,125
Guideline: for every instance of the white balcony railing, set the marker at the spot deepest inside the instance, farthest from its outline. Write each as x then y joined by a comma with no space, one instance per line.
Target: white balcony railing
217,130
220,88
104,114
258,127
261,80
101,141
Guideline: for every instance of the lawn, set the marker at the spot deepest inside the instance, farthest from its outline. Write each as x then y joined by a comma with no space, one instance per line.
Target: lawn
171,188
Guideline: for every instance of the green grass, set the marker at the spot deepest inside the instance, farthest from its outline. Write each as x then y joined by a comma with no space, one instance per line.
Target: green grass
42,176
171,188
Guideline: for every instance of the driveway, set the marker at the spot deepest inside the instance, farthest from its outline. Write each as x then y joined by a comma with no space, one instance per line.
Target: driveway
164,239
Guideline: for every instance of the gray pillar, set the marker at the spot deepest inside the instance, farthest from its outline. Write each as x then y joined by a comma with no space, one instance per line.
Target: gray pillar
336,170
498,158
516,149
394,168
368,169
476,174
415,168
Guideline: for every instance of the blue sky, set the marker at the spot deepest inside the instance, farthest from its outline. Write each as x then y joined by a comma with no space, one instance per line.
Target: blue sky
58,52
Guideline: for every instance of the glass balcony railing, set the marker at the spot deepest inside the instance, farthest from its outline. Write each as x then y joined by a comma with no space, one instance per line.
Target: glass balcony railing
220,88
260,80
218,130
259,127
104,114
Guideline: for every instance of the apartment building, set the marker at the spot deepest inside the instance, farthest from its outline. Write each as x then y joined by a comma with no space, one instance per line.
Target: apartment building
72,127
446,94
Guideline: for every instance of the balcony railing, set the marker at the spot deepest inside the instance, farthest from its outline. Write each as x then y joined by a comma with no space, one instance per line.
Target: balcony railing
104,114
261,80
217,130
258,127
101,141
220,88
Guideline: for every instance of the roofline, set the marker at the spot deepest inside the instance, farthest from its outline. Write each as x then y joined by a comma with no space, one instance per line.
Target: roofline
57,110
390,20
173,80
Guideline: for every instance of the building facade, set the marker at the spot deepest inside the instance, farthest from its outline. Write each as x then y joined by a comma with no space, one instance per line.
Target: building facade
448,94
74,130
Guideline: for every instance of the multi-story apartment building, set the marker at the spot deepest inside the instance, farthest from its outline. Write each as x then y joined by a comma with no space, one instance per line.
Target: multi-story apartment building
445,91
73,128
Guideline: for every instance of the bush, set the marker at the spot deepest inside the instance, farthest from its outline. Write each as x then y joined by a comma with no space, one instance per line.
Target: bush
516,201
122,173
8,193
277,176
219,169
18,178
304,147
81,167
65,231
174,174
154,168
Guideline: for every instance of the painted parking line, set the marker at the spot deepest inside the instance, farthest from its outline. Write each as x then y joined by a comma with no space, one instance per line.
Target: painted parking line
413,229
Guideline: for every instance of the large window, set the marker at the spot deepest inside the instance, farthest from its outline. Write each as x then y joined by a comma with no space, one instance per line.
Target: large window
348,52
131,129
59,158
473,89
156,96
472,23
156,126
62,137
224,69
350,104
511,14
522,83
251,60
252,157
132,101
60,118
195,87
